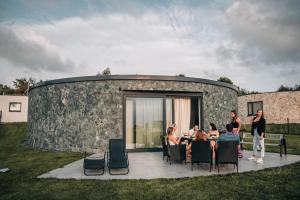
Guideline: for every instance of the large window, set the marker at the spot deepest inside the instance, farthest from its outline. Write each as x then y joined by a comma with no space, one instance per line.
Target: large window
14,107
147,116
253,107
144,122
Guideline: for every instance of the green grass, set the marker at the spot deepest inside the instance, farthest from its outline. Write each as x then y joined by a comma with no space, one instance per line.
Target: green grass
26,165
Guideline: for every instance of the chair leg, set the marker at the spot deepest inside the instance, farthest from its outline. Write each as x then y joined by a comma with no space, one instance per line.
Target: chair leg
237,168
210,167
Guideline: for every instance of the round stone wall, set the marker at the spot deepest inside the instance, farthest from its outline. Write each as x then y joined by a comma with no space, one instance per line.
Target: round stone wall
80,114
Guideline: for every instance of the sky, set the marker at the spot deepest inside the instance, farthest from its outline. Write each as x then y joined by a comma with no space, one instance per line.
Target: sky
253,42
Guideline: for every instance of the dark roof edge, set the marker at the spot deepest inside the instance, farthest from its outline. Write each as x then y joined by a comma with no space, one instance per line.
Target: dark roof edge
134,77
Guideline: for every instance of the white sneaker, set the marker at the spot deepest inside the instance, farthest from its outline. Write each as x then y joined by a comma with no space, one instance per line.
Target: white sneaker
252,158
260,161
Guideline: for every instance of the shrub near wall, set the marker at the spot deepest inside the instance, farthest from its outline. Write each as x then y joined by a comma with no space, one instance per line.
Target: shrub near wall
277,128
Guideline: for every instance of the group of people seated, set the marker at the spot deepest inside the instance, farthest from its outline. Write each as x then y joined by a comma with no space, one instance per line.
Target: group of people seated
213,136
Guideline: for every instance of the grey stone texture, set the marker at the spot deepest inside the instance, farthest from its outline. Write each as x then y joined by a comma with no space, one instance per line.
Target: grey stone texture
84,115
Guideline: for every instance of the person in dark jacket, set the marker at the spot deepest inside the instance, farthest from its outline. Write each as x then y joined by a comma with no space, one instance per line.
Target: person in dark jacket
258,132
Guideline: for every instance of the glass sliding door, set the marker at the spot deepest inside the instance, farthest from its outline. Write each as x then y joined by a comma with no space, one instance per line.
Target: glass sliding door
144,122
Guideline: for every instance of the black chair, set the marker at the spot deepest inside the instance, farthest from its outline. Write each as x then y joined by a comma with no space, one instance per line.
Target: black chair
164,147
93,163
201,153
176,152
117,157
227,153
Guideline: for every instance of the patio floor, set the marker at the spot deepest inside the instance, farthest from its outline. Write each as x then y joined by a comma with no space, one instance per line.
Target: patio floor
149,165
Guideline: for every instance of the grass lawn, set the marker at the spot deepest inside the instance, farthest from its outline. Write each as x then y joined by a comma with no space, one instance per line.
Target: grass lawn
26,165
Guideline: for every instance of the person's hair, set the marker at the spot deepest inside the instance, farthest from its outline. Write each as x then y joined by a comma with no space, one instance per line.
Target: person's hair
213,126
229,127
170,130
261,111
235,115
200,135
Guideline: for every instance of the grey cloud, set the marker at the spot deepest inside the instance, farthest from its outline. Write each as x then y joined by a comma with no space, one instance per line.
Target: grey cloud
268,32
30,54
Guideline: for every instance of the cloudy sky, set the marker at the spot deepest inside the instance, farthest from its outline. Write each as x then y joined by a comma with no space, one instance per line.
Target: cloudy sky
255,43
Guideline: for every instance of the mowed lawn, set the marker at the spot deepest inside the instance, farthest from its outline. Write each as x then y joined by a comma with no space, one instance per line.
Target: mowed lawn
27,164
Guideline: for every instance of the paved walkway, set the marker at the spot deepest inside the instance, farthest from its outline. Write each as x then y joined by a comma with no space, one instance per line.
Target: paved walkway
149,165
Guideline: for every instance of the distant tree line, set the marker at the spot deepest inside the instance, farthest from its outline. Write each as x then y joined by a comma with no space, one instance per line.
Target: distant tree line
20,87
287,88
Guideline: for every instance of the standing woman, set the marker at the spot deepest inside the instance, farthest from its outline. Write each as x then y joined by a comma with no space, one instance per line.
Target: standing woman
236,124
258,132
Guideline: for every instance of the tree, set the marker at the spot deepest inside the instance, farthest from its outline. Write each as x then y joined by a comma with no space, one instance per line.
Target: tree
4,89
22,85
225,80
181,75
284,88
105,72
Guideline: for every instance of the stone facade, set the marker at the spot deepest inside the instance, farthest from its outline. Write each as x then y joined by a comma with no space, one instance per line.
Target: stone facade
84,115
277,106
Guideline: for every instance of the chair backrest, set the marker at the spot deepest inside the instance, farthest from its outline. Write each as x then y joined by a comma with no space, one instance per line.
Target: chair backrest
163,140
201,151
227,151
116,149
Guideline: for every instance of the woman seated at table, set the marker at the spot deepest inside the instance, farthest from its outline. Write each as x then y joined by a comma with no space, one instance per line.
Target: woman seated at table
200,136
171,138
213,131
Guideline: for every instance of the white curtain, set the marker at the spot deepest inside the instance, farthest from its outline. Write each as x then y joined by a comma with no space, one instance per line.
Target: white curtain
182,115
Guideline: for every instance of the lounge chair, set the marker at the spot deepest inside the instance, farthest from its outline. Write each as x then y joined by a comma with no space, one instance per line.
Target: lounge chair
117,157
93,163
227,153
201,153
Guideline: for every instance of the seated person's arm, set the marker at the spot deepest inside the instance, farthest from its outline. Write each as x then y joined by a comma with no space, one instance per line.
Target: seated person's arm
175,141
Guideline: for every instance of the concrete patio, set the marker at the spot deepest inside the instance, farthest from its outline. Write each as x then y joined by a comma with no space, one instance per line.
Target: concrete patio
149,165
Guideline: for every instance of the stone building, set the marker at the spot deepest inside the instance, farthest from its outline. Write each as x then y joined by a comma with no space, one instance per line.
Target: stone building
277,106
83,113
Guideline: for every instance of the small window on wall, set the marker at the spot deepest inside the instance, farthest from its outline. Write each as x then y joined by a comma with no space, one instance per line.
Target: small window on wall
253,107
14,107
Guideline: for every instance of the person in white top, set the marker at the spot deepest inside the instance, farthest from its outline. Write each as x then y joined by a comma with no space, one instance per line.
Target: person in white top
193,131
171,138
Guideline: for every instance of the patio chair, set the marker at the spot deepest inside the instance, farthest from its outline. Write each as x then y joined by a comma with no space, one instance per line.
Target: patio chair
93,163
164,147
176,152
227,153
201,153
117,157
